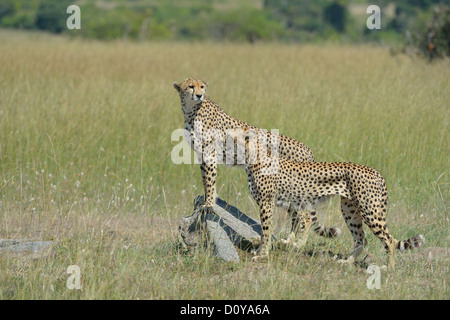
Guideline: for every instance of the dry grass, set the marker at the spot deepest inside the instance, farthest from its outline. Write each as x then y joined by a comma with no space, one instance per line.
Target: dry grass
85,160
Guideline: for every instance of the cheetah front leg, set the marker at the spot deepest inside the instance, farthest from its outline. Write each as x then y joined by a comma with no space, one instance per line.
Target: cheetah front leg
205,143
208,168
266,211
209,174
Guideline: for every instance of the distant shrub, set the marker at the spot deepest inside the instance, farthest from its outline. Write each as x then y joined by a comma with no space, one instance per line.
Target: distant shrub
243,25
51,15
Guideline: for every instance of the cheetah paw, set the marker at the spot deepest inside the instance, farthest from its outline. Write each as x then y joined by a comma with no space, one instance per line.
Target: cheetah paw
260,258
288,242
206,210
291,243
349,261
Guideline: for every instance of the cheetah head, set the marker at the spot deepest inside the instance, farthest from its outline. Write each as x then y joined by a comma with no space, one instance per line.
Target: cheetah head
191,91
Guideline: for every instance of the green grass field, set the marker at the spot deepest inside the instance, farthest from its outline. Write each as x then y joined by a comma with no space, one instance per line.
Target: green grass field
85,145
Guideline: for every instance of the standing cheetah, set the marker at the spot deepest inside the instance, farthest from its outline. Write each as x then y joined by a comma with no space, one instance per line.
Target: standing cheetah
206,123
362,190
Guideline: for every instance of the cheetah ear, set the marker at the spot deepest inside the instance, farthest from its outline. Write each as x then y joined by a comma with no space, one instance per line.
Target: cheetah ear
177,86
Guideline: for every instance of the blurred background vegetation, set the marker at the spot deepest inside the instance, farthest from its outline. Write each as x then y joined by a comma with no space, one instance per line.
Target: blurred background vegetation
410,24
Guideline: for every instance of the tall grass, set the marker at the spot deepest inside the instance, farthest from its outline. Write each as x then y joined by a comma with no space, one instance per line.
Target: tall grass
85,150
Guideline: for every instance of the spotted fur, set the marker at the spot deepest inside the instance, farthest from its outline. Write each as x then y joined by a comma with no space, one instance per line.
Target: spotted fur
300,185
205,122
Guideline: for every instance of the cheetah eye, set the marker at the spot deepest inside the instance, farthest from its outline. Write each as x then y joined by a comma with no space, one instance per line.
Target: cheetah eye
203,87
191,86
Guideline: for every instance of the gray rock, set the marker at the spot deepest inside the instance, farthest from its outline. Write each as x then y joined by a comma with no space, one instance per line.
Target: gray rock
36,248
224,231
222,245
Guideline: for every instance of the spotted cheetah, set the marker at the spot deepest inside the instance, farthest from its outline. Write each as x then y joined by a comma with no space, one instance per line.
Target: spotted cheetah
362,190
206,123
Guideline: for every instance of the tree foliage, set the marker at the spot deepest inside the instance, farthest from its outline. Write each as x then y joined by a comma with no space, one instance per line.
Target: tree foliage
281,20
50,17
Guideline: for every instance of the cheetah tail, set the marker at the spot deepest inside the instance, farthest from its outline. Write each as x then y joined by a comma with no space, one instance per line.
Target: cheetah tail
414,242
327,232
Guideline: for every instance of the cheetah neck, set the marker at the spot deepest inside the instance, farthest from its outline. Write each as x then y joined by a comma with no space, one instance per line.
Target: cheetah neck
190,110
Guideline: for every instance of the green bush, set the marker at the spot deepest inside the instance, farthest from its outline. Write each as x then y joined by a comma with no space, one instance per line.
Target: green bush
8,8
19,21
336,14
51,15
244,24
229,20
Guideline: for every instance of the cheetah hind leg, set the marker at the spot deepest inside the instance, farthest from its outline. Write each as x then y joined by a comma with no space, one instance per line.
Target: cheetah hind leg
354,223
306,227
301,224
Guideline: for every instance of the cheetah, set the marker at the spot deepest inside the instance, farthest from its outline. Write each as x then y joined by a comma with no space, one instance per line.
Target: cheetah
362,190
206,123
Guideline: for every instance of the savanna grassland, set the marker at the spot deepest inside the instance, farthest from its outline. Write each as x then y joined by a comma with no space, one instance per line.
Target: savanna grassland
85,161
